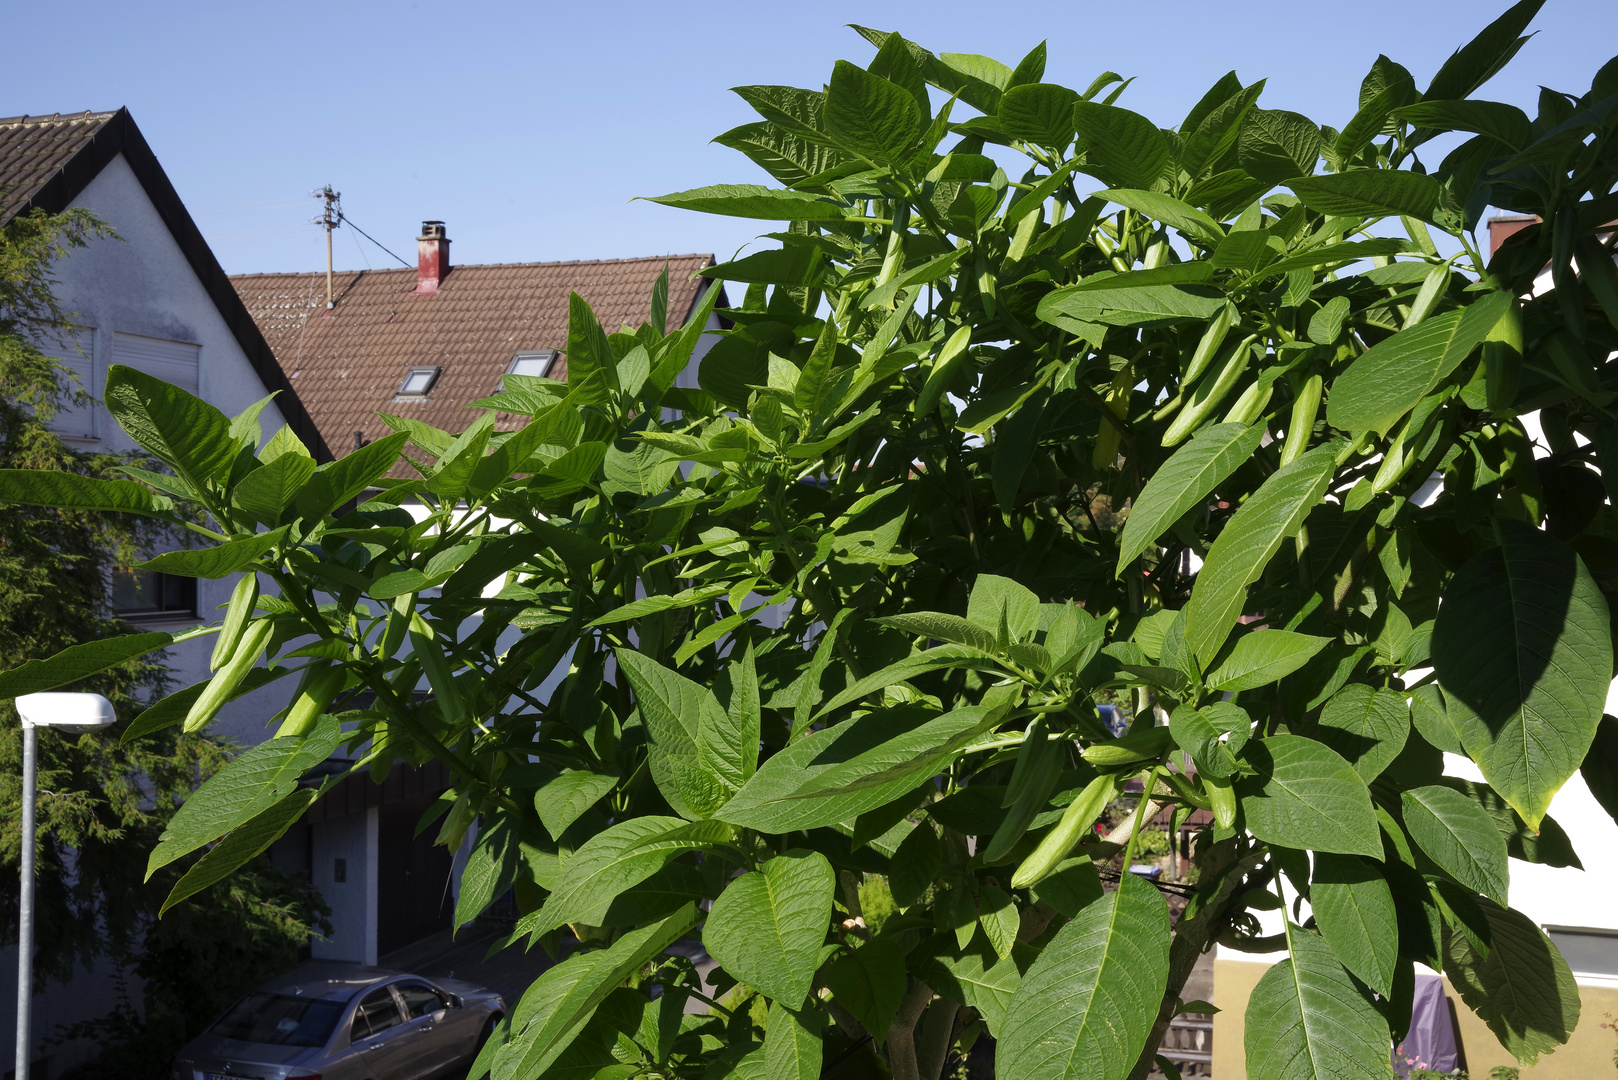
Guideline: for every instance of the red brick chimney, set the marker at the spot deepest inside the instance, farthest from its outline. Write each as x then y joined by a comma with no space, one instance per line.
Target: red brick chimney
1503,227
432,258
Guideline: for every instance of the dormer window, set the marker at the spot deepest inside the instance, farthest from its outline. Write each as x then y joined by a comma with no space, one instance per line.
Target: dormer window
419,381
536,363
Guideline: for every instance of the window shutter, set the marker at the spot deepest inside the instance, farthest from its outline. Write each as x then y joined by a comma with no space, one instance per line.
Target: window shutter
76,351
172,361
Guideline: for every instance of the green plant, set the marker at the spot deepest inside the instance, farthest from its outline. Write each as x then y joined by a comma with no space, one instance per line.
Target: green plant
845,609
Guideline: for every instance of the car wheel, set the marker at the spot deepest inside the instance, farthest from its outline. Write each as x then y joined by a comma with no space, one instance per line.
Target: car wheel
483,1036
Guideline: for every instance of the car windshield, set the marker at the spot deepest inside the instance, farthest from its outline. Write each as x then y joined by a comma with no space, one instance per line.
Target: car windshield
280,1018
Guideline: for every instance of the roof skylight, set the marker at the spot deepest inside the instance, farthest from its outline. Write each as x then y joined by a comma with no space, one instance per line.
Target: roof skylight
419,381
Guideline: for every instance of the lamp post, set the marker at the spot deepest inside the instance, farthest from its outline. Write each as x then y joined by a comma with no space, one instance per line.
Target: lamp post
69,712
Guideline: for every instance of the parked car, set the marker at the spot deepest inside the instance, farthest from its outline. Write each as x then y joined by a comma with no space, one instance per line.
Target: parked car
345,1022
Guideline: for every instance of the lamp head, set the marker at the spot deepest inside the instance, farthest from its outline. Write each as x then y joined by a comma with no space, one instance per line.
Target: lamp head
70,712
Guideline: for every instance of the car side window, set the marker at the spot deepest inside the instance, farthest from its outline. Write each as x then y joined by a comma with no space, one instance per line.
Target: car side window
376,1013
419,999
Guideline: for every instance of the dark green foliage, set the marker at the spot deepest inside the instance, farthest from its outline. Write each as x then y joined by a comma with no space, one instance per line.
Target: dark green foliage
846,611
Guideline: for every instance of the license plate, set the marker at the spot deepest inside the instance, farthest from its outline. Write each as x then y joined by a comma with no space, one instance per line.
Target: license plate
227,1076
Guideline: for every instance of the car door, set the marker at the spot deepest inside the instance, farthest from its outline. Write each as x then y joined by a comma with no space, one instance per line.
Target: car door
380,1038
434,1040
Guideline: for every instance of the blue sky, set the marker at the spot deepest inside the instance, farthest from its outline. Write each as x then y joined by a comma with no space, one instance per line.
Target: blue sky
528,128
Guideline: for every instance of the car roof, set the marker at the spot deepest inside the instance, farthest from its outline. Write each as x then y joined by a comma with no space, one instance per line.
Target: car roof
328,980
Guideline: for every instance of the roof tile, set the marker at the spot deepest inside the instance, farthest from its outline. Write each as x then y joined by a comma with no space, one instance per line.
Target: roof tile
35,148
346,366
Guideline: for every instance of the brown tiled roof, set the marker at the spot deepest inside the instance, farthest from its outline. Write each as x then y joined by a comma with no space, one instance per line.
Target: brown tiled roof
33,149
46,161
347,366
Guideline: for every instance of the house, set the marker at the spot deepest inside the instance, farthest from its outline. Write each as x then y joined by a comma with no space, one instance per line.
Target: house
424,343
155,299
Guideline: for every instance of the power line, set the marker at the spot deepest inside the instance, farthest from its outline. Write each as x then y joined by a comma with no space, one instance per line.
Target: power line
245,208
350,221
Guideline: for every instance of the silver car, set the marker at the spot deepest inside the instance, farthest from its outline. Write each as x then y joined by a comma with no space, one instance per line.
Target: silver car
344,1022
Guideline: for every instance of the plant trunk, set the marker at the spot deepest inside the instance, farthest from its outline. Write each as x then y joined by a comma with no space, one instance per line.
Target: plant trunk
1192,936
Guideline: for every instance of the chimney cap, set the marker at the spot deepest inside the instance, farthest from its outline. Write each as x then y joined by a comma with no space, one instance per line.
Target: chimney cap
432,230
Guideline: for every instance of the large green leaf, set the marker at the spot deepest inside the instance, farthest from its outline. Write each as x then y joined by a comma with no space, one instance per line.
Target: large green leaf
1521,988
1430,716
944,627
1305,796
1122,149
561,801
754,201
794,109
677,713
935,659
974,976
1212,735
784,154
1549,847
838,773
245,843
256,780
78,662
610,862
70,491
1371,193
1167,209
1460,836
1367,726
792,1050
1345,252
1505,123
336,482
1306,1020
1474,63
490,869
1184,482
1248,541
1276,145
269,489
869,982
1086,1005
1215,124
1039,113
217,561
1354,908
188,433
1600,768
1389,378
870,116
1263,657
557,1006
767,927
999,601
1119,301
1523,648
772,266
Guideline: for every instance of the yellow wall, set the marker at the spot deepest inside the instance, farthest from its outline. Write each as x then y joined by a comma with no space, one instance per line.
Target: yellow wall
1587,1056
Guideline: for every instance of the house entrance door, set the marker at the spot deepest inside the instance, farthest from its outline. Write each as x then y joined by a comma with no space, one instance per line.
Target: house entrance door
413,897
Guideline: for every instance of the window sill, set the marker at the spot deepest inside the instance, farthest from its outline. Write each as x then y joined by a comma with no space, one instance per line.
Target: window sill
161,620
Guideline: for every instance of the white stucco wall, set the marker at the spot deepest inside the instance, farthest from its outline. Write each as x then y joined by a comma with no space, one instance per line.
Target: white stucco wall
142,284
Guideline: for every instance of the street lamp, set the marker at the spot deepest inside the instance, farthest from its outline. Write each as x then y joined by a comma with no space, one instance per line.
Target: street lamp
69,712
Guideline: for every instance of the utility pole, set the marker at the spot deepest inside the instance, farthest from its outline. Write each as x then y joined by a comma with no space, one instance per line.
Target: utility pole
329,222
